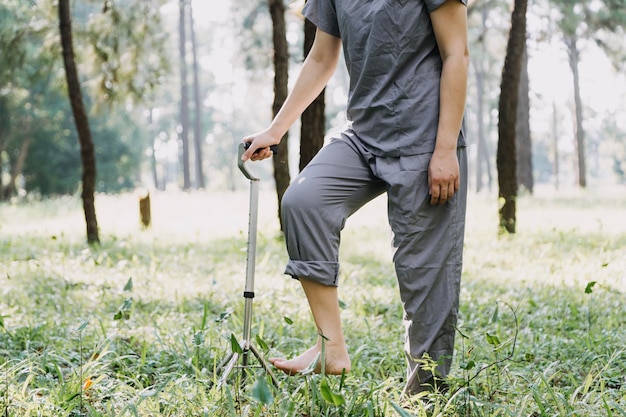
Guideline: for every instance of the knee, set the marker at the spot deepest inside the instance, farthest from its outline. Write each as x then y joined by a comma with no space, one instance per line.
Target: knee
298,200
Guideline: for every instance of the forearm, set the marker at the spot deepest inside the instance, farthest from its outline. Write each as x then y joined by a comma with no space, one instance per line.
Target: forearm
317,69
453,90
450,26
315,73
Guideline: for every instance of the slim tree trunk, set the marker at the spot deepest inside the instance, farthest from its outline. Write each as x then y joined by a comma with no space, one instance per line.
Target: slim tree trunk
3,124
482,154
16,169
313,120
153,160
524,142
281,76
509,92
184,96
197,126
574,59
87,153
1,179
154,166
480,115
480,98
555,136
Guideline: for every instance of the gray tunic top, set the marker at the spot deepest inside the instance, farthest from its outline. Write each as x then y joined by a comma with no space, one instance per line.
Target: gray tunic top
394,66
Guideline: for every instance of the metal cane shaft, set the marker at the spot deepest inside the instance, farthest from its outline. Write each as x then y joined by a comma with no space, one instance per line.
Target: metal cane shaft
251,261
251,258
252,232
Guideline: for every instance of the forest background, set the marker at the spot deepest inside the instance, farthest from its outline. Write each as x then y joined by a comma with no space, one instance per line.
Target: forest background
129,58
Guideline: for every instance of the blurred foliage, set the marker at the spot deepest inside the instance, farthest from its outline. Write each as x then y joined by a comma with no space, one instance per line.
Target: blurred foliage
120,49
127,56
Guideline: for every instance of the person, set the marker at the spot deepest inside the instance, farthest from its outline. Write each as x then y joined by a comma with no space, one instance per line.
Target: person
407,62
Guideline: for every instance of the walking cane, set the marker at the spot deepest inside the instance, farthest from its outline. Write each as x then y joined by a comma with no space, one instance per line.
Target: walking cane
246,345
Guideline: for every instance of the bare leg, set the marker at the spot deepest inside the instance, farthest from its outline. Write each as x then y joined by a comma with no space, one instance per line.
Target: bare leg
324,304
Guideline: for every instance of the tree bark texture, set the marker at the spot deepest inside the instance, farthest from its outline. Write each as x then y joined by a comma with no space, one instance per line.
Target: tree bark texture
313,120
281,77
81,121
524,140
197,126
184,96
509,92
574,59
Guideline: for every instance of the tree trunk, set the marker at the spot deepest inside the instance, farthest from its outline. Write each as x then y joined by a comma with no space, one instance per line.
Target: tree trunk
87,153
154,167
524,142
574,59
480,115
184,96
197,127
1,169
509,92
16,169
281,75
313,120
555,135
482,151
153,161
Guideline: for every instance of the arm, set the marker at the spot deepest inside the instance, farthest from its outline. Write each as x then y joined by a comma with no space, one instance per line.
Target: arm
317,69
450,26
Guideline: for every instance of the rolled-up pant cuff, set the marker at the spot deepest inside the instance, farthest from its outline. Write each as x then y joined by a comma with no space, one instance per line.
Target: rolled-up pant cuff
325,273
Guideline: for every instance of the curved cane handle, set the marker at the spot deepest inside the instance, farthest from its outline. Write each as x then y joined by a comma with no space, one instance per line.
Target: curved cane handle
242,167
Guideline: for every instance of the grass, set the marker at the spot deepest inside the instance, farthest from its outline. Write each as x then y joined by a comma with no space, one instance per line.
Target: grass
140,325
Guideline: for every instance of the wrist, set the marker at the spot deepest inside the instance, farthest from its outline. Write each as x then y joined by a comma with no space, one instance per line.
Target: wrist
446,146
276,131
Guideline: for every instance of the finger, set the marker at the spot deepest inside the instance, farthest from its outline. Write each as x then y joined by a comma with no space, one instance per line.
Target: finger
249,153
265,153
434,195
451,190
443,195
260,154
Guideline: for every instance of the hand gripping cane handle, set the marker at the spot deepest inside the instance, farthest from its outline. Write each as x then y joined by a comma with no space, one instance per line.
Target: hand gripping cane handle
242,148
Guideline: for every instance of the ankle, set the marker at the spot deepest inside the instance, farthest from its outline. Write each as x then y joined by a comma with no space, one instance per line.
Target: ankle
331,342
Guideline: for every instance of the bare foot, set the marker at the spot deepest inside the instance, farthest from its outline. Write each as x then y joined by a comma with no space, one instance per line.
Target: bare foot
337,360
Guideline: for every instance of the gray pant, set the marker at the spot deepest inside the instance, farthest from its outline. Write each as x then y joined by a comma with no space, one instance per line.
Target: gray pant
427,239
